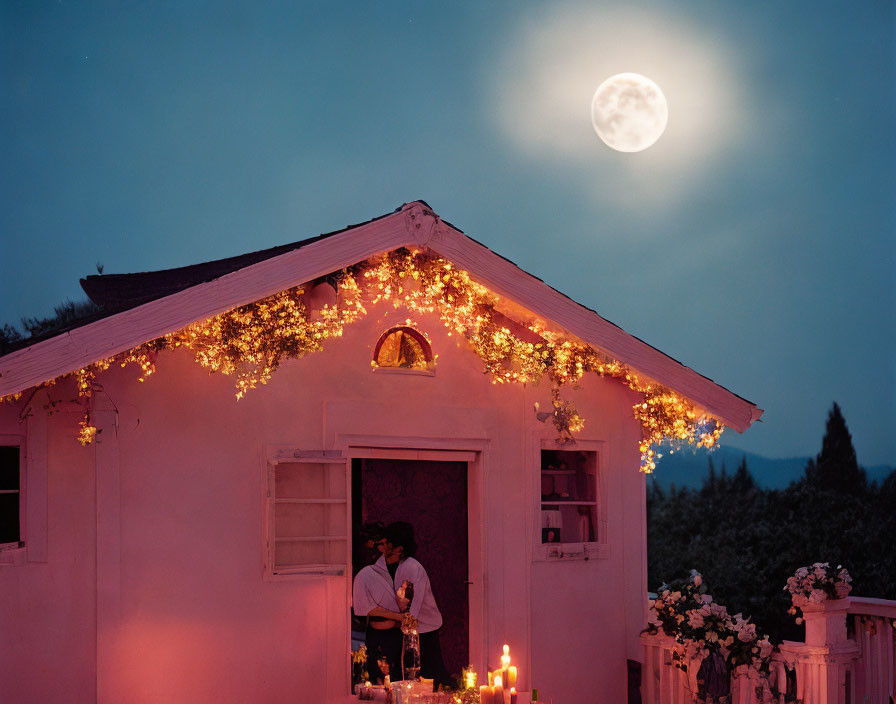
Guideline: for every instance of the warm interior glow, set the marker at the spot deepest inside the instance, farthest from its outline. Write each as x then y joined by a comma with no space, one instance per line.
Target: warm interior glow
403,347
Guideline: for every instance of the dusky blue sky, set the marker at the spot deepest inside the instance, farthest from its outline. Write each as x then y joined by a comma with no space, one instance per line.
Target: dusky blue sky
754,242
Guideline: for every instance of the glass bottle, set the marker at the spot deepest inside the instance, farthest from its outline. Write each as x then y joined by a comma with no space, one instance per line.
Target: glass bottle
410,654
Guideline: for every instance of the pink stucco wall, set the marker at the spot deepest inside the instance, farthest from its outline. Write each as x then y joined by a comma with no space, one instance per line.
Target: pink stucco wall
155,591
48,609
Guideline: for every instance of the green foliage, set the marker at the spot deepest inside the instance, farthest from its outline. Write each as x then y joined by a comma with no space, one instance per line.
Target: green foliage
746,541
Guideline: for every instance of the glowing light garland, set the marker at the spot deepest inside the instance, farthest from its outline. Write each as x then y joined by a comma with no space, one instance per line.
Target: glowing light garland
251,341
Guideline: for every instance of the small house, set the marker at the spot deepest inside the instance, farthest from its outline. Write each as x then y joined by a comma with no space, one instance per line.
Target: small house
185,472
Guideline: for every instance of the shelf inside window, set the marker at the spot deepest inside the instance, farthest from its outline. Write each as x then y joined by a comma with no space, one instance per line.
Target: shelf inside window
309,501
307,519
568,497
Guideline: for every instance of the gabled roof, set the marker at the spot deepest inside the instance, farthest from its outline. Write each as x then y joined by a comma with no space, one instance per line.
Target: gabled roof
152,304
117,292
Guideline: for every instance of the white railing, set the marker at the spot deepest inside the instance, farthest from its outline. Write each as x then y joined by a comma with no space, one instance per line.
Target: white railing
830,669
660,680
664,683
872,680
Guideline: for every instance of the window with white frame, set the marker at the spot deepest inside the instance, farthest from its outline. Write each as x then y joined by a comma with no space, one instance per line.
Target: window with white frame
11,533
307,516
572,502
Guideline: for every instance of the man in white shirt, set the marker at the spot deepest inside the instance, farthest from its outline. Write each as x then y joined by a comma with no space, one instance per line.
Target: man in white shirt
375,594
374,599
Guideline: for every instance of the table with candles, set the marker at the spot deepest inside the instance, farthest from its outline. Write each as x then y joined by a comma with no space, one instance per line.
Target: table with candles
501,688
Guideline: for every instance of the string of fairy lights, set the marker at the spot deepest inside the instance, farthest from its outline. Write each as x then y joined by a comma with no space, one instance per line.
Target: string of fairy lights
250,342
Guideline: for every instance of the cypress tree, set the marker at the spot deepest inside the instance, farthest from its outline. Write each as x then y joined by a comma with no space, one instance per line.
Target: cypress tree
836,467
743,481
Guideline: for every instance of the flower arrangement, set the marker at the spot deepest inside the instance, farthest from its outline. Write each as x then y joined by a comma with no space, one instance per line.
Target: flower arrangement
359,665
704,631
810,586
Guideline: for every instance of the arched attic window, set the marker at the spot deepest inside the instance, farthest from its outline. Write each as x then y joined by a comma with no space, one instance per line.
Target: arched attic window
402,347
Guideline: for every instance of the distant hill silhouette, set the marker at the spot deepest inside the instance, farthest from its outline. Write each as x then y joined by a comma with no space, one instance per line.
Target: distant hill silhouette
686,468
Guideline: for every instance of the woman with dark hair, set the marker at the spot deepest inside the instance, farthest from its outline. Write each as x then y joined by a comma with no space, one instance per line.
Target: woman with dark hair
415,597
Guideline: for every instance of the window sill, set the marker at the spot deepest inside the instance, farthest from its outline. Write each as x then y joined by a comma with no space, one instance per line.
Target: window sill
404,370
12,556
568,552
305,572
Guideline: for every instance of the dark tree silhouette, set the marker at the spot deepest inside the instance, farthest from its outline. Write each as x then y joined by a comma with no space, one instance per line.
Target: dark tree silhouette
8,337
65,314
836,468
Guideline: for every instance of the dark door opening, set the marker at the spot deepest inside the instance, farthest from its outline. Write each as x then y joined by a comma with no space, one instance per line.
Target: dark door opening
432,497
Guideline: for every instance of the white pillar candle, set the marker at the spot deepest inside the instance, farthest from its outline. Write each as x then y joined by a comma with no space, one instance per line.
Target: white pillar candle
499,690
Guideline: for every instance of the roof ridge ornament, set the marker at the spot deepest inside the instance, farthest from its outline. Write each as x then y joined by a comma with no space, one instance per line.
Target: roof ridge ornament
421,222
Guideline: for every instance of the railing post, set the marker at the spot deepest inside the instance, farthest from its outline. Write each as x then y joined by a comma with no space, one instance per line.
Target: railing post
822,662
661,681
826,622
821,671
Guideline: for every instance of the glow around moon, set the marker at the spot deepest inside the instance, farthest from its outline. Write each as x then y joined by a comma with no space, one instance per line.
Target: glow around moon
629,112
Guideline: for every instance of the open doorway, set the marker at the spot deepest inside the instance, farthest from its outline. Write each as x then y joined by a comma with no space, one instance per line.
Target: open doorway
432,497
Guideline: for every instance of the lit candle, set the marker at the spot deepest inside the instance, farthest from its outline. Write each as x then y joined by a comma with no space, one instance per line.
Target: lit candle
511,676
469,678
505,658
485,695
513,695
498,690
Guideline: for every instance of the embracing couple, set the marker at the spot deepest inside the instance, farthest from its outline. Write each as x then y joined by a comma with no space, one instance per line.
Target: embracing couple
395,585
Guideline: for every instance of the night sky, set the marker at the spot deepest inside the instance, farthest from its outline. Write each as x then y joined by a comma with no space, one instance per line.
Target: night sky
754,242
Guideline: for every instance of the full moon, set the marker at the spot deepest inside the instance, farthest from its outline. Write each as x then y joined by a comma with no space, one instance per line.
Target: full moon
629,112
